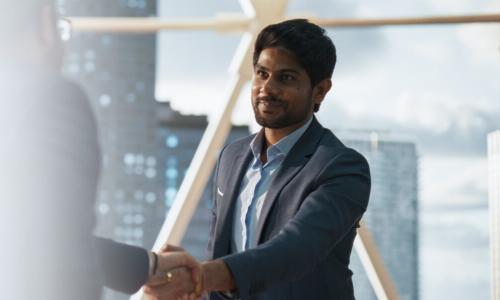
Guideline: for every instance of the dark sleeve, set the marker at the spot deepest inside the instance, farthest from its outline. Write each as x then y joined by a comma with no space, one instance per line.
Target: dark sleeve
124,268
121,267
327,214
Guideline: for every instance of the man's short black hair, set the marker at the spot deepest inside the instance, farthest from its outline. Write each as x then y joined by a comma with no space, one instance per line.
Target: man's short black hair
310,44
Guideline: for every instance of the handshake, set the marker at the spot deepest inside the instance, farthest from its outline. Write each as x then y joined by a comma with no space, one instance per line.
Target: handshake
176,275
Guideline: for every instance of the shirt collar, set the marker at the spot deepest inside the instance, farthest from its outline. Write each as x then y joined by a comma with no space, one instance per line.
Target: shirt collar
283,146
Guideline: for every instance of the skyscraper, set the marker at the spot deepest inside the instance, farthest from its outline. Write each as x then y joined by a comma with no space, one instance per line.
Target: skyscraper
392,215
494,195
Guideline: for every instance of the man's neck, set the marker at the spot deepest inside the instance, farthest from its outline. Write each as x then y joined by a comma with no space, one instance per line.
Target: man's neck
274,135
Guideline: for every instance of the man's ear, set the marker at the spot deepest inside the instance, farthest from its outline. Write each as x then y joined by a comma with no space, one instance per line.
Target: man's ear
320,90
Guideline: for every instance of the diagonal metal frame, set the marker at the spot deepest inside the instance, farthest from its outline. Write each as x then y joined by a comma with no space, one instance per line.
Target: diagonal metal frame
257,14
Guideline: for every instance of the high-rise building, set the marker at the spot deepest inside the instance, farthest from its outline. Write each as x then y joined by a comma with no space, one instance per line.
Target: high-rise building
494,195
392,215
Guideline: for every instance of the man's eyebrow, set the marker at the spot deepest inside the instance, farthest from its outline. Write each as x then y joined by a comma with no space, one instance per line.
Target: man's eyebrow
289,70
257,66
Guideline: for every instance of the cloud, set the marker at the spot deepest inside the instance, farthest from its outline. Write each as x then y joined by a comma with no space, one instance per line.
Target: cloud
453,182
471,281
198,54
437,127
195,8
449,237
481,41
325,9
463,6
428,84
194,55
205,97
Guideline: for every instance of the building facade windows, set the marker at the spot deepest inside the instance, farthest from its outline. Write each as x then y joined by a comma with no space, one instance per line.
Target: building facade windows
392,214
172,141
170,194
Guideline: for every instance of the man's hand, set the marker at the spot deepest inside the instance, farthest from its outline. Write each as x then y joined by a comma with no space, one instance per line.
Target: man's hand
178,276
171,257
179,286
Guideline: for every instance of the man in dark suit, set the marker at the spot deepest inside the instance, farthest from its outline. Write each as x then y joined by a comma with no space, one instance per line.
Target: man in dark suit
288,199
50,161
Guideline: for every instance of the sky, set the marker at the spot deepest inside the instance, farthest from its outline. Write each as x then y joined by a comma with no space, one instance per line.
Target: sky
439,85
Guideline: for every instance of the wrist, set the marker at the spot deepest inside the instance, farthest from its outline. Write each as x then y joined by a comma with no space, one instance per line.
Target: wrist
217,277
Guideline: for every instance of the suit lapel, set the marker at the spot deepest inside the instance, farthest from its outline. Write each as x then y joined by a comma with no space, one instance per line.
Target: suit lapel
224,227
293,163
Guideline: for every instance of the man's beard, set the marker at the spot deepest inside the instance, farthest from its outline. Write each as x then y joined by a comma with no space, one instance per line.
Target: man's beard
283,120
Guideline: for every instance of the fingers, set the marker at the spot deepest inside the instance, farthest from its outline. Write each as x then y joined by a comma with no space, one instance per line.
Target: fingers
200,282
166,277
194,297
179,285
172,260
189,297
189,261
157,279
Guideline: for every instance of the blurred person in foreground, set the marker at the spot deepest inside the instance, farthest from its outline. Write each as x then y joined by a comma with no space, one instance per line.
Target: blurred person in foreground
287,200
50,160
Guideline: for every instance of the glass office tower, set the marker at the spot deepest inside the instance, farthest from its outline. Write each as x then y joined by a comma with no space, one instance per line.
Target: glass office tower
392,215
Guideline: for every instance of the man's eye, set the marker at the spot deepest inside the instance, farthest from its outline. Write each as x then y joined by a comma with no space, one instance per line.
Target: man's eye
287,77
261,74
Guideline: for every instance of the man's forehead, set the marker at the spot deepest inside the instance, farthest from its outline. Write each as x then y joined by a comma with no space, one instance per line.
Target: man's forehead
278,59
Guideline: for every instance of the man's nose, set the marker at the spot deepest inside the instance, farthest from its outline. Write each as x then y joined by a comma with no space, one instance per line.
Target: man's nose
269,87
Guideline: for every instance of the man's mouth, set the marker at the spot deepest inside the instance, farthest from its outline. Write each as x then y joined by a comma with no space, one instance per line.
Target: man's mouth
270,103
270,107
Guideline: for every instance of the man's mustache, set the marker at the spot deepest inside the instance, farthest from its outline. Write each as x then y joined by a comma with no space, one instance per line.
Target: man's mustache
272,100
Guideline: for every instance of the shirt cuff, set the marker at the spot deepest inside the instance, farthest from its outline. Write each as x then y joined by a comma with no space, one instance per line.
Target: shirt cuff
152,263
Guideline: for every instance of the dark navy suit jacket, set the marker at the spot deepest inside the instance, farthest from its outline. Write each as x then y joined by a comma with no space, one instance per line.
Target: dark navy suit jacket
308,221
